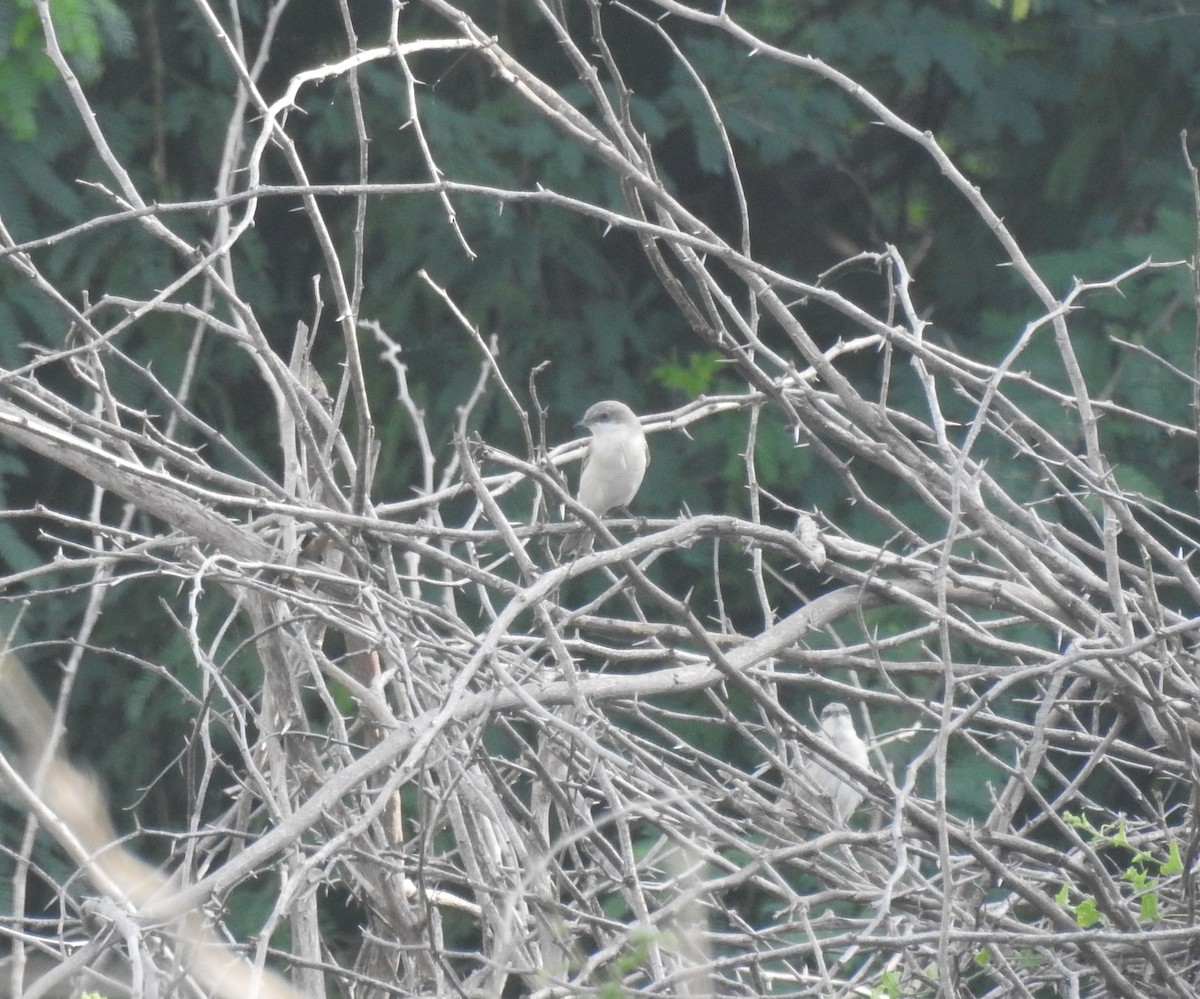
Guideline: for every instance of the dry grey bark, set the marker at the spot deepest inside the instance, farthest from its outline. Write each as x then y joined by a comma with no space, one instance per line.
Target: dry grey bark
602,847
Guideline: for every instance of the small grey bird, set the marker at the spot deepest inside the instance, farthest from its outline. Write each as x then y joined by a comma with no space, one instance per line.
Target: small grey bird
837,728
612,468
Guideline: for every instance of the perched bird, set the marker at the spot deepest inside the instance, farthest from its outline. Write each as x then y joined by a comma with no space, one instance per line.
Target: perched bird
837,728
613,467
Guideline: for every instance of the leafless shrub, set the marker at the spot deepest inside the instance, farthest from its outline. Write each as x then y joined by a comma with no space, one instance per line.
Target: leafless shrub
565,824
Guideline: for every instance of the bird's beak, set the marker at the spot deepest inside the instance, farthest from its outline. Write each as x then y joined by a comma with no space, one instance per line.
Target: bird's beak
581,423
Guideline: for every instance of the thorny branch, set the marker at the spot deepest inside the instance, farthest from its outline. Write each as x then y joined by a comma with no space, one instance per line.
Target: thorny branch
606,826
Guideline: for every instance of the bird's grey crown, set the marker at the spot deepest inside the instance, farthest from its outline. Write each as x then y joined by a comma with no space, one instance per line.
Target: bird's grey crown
601,412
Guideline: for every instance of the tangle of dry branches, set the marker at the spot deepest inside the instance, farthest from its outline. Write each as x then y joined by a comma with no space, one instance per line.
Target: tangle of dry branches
504,761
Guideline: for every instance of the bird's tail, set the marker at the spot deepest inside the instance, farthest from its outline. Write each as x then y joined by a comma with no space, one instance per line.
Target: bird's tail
577,543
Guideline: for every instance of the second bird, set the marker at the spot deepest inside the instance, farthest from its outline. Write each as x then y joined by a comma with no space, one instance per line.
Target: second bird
837,728
613,467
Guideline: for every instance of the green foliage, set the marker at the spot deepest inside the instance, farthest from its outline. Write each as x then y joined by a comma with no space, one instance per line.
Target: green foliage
631,958
1018,10
1142,871
83,29
888,987
692,378
891,986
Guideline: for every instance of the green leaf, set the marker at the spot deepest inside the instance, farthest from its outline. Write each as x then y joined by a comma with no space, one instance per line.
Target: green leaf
1086,913
1137,877
1174,863
888,987
1018,10
1149,907
1064,894
983,957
